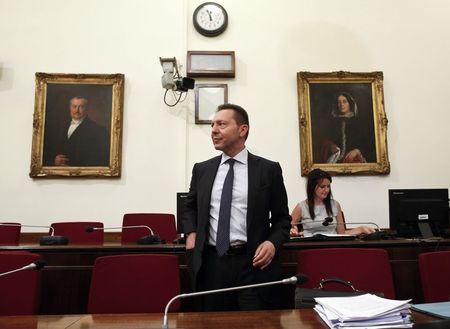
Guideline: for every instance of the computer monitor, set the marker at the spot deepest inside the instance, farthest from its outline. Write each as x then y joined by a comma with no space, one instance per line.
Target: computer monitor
181,196
419,212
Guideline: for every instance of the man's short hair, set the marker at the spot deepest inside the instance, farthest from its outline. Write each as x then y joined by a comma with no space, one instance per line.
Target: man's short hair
240,115
79,97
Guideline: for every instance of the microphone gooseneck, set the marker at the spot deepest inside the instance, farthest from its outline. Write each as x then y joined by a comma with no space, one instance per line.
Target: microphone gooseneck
148,239
46,240
296,279
36,265
52,230
90,229
328,220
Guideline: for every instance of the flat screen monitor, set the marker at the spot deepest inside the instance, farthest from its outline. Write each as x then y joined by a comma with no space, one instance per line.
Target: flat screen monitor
420,213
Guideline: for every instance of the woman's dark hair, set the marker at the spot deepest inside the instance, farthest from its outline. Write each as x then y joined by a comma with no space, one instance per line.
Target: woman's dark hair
314,178
351,101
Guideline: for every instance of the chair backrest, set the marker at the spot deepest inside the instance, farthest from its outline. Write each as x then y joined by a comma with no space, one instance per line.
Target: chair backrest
9,234
368,269
435,275
19,291
138,283
161,224
76,233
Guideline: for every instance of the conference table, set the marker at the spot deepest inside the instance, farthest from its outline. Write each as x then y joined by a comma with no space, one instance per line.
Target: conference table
66,277
280,319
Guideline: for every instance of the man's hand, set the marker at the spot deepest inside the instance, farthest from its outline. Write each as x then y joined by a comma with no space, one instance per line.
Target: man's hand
190,240
61,160
264,254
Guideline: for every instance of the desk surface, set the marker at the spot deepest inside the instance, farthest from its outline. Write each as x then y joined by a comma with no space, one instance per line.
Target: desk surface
283,319
287,246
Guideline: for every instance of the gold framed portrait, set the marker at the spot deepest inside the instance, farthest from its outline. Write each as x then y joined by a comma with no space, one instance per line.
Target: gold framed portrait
343,125
77,125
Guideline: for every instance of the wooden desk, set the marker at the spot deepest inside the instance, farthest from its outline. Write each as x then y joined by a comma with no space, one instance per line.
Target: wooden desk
66,278
285,319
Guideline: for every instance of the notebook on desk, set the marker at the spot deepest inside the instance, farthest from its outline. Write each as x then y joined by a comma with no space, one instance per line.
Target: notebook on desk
323,237
441,310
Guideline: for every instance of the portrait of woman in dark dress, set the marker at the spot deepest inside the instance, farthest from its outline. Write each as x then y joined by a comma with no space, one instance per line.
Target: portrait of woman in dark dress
346,139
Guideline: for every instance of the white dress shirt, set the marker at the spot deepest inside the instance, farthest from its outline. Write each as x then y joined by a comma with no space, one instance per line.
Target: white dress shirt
73,125
238,220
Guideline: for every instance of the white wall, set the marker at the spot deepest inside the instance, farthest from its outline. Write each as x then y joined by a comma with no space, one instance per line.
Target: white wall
406,39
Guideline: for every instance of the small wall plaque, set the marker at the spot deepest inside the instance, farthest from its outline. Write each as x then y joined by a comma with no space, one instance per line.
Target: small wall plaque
214,64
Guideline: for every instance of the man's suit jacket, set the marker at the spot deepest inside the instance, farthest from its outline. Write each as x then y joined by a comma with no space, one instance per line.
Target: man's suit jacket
87,146
267,212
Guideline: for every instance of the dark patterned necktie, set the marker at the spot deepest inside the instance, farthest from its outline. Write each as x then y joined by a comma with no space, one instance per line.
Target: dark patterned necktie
223,227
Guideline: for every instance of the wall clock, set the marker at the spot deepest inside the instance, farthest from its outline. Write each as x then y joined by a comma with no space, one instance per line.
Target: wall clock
210,19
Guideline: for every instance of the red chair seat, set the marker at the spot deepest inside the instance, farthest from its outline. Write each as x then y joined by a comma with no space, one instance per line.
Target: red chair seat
19,291
140,283
435,275
368,269
9,234
161,224
76,233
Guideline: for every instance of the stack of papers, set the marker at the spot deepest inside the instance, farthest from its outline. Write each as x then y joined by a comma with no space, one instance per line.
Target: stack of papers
364,311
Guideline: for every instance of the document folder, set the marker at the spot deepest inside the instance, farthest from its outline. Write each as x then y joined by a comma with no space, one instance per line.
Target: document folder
441,310
323,237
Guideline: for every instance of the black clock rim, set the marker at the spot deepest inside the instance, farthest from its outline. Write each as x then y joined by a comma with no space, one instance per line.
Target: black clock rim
210,33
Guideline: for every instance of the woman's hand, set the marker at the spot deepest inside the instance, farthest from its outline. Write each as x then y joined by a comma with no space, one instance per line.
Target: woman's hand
295,231
361,230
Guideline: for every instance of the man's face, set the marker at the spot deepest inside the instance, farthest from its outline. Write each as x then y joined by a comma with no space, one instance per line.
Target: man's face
227,136
78,109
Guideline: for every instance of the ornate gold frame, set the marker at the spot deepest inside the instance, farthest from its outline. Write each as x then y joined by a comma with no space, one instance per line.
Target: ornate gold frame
343,80
43,80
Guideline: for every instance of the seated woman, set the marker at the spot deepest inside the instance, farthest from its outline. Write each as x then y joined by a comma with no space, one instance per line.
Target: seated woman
326,216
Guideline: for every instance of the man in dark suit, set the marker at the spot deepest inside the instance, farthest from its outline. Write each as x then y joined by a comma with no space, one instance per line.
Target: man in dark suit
258,221
82,142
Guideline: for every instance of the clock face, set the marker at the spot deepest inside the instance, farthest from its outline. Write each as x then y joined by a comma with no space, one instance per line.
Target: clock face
210,19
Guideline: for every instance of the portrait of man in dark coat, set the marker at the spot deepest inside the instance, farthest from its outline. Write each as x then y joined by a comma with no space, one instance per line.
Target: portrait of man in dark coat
79,139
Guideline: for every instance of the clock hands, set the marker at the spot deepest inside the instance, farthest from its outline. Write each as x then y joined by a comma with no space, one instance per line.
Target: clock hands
209,14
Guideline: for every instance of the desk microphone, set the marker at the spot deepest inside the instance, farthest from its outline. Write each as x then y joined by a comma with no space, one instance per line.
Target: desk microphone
328,220
296,279
148,239
46,240
36,265
377,235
